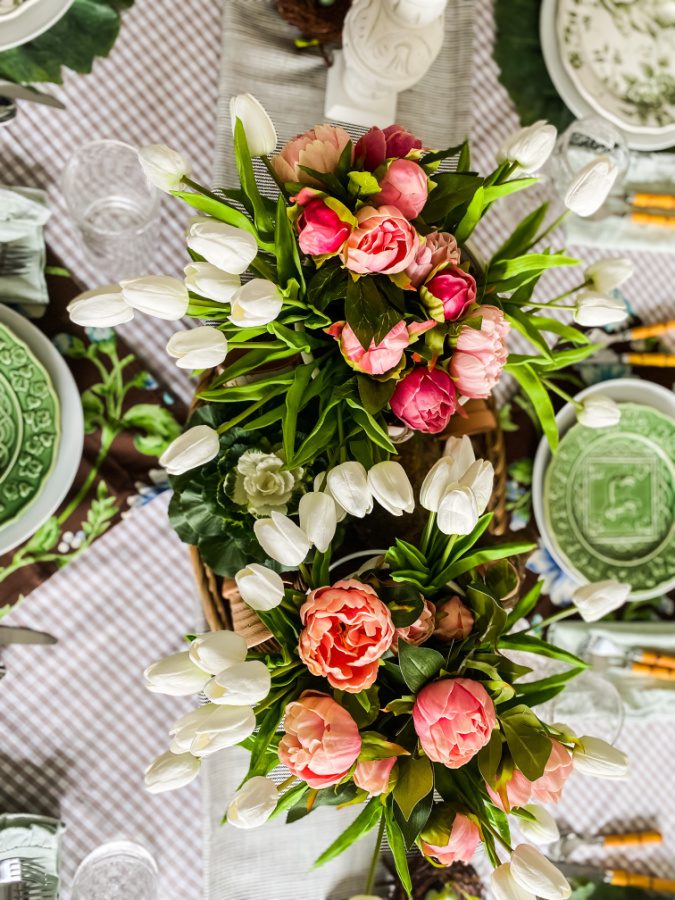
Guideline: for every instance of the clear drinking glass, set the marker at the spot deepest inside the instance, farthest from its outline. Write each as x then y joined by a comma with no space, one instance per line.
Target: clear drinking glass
119,870
582,142
114,207
590,704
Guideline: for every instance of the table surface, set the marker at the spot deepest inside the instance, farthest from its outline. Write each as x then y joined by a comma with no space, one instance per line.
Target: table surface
132,597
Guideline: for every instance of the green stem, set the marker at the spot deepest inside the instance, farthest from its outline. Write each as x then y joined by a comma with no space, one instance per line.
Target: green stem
370,882
304,571
448,550
556,617
273,175
565,294
241,416
428,528
262,268
556,223
106,443
552,386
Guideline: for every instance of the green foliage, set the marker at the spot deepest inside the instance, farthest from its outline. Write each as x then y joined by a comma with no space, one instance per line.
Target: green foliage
415,782
418,664
367,819
528,743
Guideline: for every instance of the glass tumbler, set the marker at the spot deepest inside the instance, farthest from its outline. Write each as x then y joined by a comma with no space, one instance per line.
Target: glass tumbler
119,870
580,144
114,207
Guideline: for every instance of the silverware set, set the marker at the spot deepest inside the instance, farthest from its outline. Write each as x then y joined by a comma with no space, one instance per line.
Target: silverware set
13,260
21,879
11,92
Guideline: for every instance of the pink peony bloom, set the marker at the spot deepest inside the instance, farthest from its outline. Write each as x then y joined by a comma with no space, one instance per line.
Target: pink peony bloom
425,399
383,241
321,231
454,620
382,357
404,185
518,791
439,250
453,719
318,149
347,628
462,841
449,294
420,630
377,145
322,741
373,775
546,789
481,354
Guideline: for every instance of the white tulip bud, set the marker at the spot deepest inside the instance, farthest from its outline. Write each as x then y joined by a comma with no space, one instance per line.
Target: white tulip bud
163,167
457,511
224,246
599,412
530,147
541,830
209,281
318,518
595,310
320,484
596,757
532,871
261,588
253,803
243,684
198,348
457,456
256,303
607,274
391,487
157,295
102,308
348,483
211,728
195,447
600,598
176,674
218,650
281,539
480,478
261,135
505,887
591,186
171,771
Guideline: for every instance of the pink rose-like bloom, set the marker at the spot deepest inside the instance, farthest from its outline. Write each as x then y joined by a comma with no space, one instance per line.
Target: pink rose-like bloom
518,791
425,399
378,145
321,741
347,629
319,149
372,775
453,719
321,231
383,241
454,620
382,357
463,842
404,185
546,789
449,294
420,630
481,354
438,251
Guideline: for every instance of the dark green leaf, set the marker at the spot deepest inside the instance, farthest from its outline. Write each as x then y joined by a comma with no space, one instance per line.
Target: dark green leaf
220,210
537,393
529,643
529,745
374,394
288,257
367,819
418,664
397,844
264,221
525,605
490,757
415,781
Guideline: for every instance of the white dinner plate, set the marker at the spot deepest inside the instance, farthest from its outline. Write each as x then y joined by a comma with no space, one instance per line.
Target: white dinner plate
30,20
69,451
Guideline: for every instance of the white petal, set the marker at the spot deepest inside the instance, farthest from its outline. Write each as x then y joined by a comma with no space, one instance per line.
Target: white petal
195,447
348,483
160,296
211,728
504,887
253,803
599,412
163,167
596,600
102,308
480,478
320,484
391,487
217,651
457,457
170,771
256,303
282,539
243,684
224,246
261,135
198,348
606,275
209,281
596,757
532,871
531,146
458,511
543,830
595,310
591,186
318,518
176,674
260,587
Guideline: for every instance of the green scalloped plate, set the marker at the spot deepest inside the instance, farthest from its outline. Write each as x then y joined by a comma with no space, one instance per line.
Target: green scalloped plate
609,495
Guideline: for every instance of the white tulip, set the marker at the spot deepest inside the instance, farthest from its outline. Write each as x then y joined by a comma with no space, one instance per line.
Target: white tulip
163,167
530,147
102,308
480,478
457,511
261,588
211,728
595,310
607,274
457,457
281,539
171,771
318,518
198,348
597,599
256,303
218,650
591,186
261,135
348,483
157,295
176,674
243,684
543,830
224,246
320,484
599,412
209,281
505,887
532,871
253,803
391,487
195,447
596,757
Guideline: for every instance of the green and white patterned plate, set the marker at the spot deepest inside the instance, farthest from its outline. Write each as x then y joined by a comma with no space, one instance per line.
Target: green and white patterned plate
29,426
609,495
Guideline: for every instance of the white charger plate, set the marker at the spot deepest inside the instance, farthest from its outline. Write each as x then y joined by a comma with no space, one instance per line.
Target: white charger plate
69,450
30,20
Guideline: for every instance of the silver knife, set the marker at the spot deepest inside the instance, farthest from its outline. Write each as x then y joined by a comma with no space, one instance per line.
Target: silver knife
18,635
21,92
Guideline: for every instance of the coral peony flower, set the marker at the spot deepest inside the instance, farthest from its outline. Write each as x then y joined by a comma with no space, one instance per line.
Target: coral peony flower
481,354
439,250
383,241
547,789
321,742
453,719
318,149
372,775
420,630
382,357
425,399
453,840
454,620
378,145
449,294
347,628
518,791
321,231
404,185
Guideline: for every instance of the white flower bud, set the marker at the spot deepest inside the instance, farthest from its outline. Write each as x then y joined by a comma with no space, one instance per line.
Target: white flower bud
348,483
480,478
218,650
281,539
320,484
209,281
176,675
195,447
457,456
543,830
211,728
243,684
318,518
256,303
599,412
261,135
261,588
504,886
607,274
163,167
198,348
595,310
102,308
596,757
600,598
253,803
224,246
157,295
533,872
171,771
457,511
530,147
591,186
391,487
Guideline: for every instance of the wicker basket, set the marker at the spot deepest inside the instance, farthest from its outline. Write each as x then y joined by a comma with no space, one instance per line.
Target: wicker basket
313,21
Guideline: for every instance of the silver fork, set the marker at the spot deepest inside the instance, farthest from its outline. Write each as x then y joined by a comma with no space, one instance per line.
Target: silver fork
13,260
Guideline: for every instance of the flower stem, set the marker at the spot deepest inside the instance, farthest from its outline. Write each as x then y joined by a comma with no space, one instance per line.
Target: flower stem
448,550
304,571
556,617
242,415
428,528
375,858
552,386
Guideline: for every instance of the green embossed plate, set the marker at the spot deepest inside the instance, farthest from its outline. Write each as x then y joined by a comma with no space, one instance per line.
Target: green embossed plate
609,496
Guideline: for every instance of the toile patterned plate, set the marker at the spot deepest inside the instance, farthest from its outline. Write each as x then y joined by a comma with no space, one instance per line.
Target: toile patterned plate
609,495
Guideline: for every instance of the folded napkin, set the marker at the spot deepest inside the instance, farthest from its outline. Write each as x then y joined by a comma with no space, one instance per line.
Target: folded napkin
31,838
23,214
